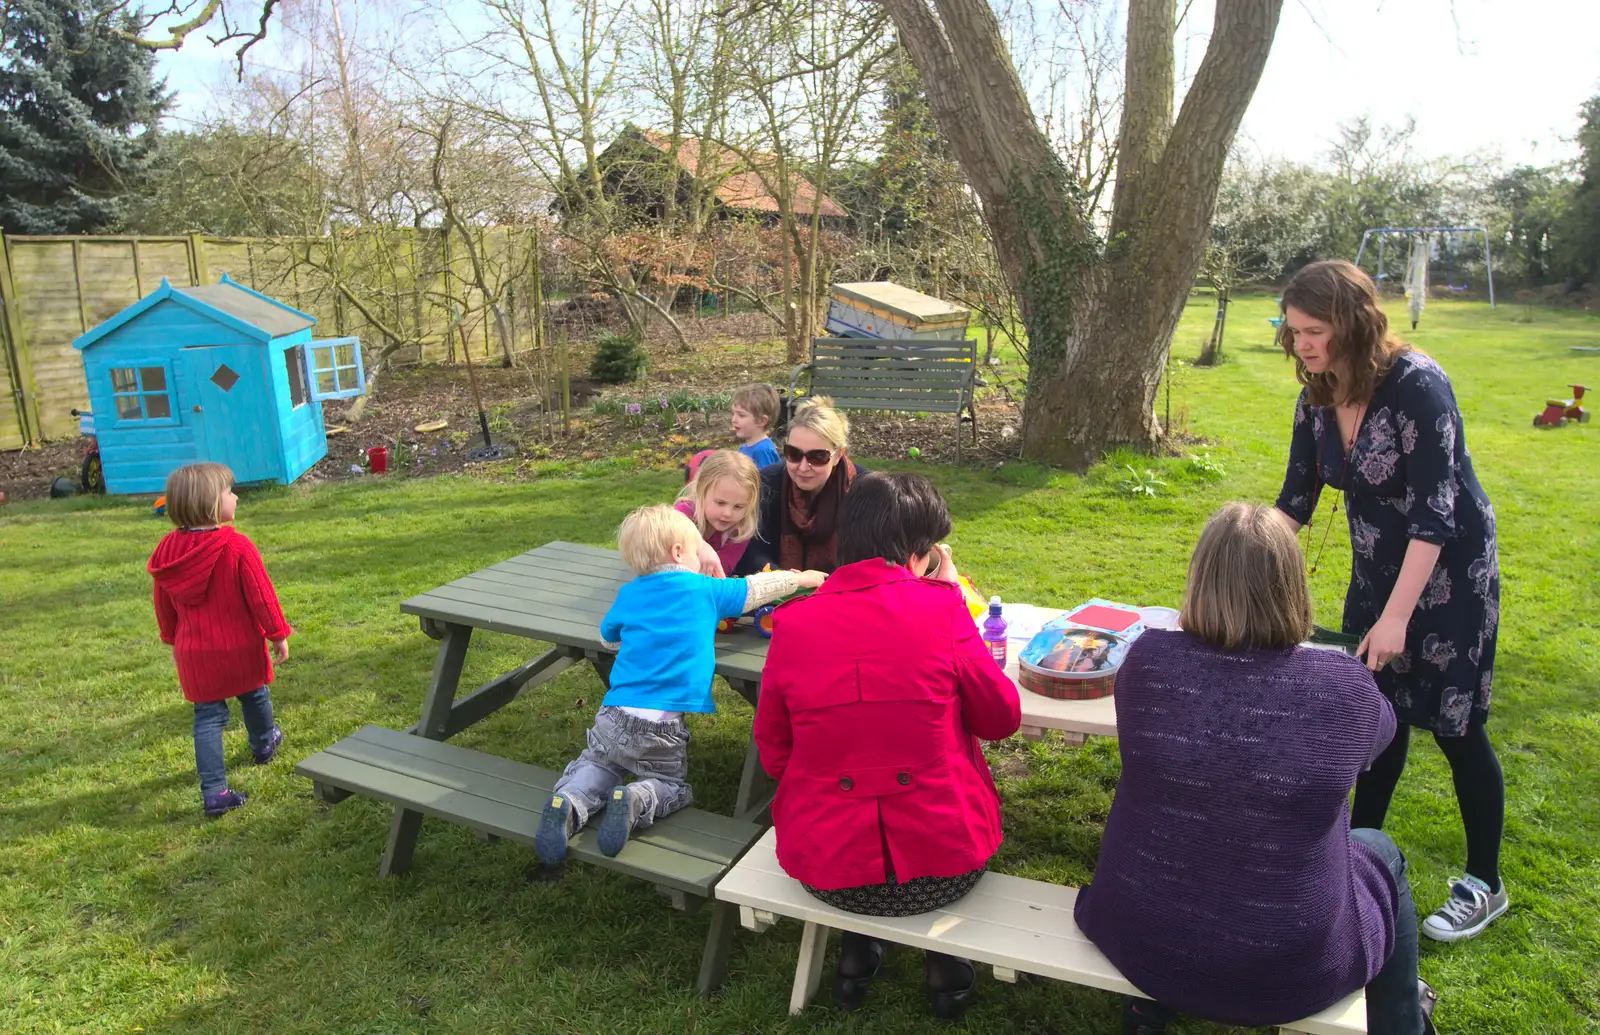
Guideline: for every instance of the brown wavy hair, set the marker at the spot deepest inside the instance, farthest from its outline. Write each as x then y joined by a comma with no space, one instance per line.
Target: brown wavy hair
1361,348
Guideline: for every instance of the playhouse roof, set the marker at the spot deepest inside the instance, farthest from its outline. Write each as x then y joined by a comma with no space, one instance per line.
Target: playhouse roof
228,302
271,316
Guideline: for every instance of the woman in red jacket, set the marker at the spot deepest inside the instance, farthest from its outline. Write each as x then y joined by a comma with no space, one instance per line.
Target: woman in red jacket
874,695
217,608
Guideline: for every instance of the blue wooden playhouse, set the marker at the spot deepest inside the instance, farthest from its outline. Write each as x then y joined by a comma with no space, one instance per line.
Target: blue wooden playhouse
217,372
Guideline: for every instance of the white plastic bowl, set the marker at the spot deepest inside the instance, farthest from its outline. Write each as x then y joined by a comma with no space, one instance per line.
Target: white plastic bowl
1159,617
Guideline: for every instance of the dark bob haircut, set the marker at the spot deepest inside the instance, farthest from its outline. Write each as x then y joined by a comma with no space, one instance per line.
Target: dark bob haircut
895,516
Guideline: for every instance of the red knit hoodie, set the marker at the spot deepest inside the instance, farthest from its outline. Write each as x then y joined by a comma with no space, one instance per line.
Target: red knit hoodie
216,606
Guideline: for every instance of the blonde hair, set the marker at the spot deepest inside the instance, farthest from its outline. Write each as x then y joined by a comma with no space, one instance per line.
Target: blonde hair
194,494
737,468
648,535
817,415
759,400
1247,582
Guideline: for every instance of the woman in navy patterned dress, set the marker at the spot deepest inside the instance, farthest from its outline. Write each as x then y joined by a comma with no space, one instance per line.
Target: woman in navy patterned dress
1379,421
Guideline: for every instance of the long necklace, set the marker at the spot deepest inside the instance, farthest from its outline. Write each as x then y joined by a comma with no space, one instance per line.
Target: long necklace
1344,481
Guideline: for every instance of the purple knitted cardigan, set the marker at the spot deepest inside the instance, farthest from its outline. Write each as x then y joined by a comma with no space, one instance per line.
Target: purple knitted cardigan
1228,887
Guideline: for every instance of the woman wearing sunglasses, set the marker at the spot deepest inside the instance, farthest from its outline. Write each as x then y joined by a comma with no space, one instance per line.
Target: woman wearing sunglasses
802,493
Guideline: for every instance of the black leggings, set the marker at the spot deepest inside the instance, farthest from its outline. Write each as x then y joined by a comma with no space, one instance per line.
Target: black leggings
1480,792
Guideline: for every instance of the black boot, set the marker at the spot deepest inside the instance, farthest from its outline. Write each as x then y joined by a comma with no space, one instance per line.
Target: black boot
859,960
1430,999
1143,1017
951,981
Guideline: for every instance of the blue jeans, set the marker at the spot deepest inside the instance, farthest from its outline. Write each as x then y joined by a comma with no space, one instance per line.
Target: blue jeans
211,718
623,745
1394,1004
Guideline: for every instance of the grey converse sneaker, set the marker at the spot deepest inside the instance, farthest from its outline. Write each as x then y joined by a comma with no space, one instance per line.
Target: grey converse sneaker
1468,910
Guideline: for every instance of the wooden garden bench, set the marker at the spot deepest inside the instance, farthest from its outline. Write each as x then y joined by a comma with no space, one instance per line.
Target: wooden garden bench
1015,925
909,376
684,855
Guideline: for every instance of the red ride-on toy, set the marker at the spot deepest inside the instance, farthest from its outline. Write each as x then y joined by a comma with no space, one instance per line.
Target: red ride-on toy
91,476
1557,412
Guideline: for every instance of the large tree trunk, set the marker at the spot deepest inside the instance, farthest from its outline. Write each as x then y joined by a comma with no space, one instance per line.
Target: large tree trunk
1099,317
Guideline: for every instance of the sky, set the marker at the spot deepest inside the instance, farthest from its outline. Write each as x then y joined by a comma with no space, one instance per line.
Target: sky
1495,76
1512,80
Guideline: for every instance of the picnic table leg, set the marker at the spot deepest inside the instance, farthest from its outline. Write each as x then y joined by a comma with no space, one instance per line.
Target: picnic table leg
602,662
755,787
447,665
719,942
755,792
808,970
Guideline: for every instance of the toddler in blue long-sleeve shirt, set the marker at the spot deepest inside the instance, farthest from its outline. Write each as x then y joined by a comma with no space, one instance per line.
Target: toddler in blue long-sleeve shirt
756,408
662,626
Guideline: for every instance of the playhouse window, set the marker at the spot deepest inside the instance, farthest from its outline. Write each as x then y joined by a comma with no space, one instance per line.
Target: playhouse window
294,362
141,393
335,368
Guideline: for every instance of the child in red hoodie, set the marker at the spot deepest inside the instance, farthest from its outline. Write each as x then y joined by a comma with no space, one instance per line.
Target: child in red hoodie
217,608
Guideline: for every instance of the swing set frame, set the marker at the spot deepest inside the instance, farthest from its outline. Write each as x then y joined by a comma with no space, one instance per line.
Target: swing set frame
1384,232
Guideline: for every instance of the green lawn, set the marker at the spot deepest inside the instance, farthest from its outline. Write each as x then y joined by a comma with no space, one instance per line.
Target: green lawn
123,909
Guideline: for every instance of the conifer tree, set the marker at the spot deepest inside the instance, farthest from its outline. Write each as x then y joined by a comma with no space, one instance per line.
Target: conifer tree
78,115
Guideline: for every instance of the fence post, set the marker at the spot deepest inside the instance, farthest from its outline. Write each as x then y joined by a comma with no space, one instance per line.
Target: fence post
197,260
21,361
77,280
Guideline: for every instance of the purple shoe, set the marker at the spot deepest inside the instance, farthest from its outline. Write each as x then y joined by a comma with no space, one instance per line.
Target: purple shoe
227,801
269,752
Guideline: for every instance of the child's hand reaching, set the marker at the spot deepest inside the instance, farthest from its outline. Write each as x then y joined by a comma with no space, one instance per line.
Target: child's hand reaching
947,566
710,563
810,579
280,650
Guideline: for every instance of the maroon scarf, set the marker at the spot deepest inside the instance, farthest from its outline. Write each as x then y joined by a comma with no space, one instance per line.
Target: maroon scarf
809,533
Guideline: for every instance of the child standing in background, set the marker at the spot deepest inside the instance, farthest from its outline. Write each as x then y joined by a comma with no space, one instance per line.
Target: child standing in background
721,501
755,414
662,626
216,607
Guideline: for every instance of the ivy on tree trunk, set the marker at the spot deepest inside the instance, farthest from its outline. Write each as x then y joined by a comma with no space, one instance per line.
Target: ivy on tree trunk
1100,314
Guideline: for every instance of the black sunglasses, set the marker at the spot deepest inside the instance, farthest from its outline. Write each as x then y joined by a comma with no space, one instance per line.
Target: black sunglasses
814,457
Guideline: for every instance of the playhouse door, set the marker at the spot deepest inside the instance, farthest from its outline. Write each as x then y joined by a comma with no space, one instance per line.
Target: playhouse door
229,409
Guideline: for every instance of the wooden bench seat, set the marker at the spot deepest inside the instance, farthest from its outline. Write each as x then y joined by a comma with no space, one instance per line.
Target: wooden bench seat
1015,925
919,375
684,855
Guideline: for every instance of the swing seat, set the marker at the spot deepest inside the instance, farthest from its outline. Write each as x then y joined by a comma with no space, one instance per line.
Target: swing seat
1276,321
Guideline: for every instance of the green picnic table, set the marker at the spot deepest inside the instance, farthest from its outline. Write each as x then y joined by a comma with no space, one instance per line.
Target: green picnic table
555,594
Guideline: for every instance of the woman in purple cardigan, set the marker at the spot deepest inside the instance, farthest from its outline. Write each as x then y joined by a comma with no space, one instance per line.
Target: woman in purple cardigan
1230,886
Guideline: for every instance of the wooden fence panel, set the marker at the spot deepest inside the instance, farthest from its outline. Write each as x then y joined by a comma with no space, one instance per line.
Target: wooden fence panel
162,257
11,421
106,271
47,293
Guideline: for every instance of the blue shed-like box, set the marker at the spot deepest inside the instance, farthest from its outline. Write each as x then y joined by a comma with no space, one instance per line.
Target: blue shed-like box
217,372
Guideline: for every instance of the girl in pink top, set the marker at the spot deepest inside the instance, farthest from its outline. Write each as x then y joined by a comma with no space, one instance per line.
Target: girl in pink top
721,501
